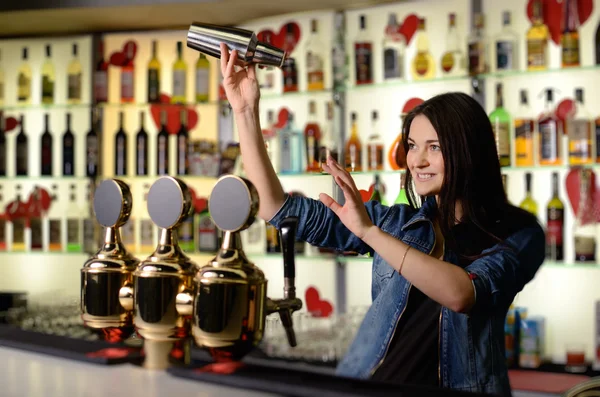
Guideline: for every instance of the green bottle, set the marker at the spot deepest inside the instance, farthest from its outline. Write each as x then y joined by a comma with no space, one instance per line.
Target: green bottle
528,203
501,123
402,199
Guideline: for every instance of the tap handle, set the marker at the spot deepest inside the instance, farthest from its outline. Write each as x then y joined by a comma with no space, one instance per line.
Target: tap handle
288,325
288,240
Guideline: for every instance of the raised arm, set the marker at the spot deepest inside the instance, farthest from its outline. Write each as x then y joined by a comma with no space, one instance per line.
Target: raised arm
243,94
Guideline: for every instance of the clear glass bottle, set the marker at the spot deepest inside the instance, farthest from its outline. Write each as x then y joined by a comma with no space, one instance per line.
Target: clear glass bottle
585,228
422,66
507,46
394,47
478,48
315,59
375,145
154,75
501,122
580,132
537,40
524,130
74,73
24,80
453,60
48,78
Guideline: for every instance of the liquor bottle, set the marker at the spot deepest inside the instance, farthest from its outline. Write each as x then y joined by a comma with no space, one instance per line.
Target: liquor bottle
121,148
18,224
550,133
537,40
506,46
73,223
528,203
556,222
315,59
54,215
312,137
423,65
3,217
290,71
74,78
154,76
584,230
208,233
34,221
524,127
202,79
186,233
273,239
580,132
597,44
478,55
24,81
569,37
128,77
328,142
182,145
266,75
22,150
354,148
48,78
46,145
162,146
394,46
363,55
3,149
501,122
68,149
378,191
101,76
290,144
402,198
374,146
179,77
339,56
92,147
146,227
272,143
141,149
1,81
453,61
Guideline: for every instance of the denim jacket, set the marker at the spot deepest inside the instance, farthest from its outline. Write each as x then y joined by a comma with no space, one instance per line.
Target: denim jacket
471,346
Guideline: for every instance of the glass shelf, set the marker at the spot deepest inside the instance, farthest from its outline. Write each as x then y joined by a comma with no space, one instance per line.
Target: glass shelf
56,179
41,106
520,73
548,167
161,105
399,83
17,108
294,94
317,174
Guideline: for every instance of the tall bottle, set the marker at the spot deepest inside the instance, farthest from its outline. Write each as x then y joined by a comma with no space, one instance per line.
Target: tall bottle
3,149
182,145
22,157
101,76
329,145
528,203
569,37
74,72
556,222
374,145
339,56
18,224
353,148
121,148
179,77
584,230
394,46
162,146
73,223
453,61
315,59
506,46
2,91
202,79
501,122
68,149
312,137
402,197
154,76
48,78
141,149
54,215
47,150
580,132
524,127
290,141
128,77
92,149
537,40
363,55
34,220
290,71
597,44
24,81
478,48
423,66
550,133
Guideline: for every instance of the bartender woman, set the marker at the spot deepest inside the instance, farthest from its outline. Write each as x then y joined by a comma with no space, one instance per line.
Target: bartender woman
445,270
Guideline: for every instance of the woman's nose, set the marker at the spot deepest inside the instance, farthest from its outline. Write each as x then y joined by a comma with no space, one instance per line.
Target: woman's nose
420,160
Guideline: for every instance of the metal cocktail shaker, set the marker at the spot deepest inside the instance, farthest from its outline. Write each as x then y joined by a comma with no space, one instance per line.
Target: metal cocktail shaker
207,39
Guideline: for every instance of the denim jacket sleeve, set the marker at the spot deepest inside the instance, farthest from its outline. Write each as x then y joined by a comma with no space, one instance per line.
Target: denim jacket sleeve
321,227
498,277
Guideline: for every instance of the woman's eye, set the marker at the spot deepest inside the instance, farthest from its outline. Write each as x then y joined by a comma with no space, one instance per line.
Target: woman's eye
435,147
411,146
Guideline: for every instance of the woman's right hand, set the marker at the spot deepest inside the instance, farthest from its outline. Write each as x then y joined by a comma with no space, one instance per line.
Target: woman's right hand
240,86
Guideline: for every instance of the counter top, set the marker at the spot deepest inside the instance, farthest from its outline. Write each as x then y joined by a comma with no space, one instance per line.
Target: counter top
37,375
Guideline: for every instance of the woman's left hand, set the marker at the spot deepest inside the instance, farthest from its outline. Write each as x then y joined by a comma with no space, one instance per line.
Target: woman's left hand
353,213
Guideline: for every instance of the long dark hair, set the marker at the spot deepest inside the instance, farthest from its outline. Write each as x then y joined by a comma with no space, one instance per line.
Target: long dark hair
471,167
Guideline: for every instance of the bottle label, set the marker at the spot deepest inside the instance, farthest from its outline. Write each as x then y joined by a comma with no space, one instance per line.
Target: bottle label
202,77
448,62
580,140
127,84
179,83
536,53
353,157
375,157
35,224
392,63
153,85
73,231
47,88
502,135
314,65
524,142
421,64
363,61
54,239
476,58
92,155
207,234
101,86
505,59
549,141
290,76
74,86
24,87
554,234
570,49
2,234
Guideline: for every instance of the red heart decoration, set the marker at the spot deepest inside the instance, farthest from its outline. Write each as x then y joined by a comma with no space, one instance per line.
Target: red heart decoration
282,117
409,27
173,117
411,104
199,203
120,58
314,304
10,123
285,41
267,36
553,14
365,195
573,185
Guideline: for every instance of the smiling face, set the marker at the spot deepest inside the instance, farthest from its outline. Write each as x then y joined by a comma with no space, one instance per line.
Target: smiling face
424,157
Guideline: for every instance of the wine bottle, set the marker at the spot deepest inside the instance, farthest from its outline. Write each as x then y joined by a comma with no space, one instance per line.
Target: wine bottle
22,150
101,76
141,149
128,77
3,217
202,79
24,81
3,151
48,78
74,78
92,148
121,148
500,120
18,225
34,221
528,203
46,146
556,221
179,77
569,37
580,132
182,145
162,146
154,76
68,149
54,222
